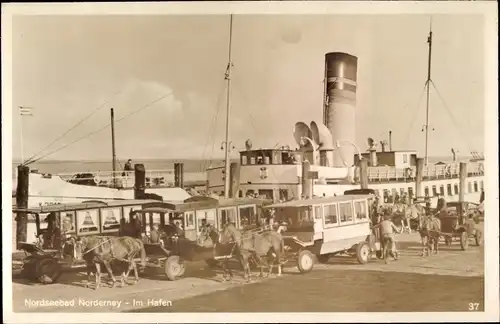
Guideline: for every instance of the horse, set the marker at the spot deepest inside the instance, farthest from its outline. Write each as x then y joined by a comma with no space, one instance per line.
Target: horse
210,233
102,250
268,243
429,228
406,213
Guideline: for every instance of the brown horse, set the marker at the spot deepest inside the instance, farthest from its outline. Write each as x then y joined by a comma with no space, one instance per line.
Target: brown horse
102,250
429,229
268,243
210,234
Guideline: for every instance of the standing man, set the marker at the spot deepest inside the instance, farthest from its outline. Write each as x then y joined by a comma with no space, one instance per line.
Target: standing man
127,168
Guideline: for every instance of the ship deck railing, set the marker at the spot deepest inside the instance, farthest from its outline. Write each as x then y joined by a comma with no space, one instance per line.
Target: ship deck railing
126,179
435,172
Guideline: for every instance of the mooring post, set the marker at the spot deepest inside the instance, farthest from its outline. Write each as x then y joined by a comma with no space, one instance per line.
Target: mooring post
461,193
140,181
363,173
179,175
306,183
22,195
419,177
234,180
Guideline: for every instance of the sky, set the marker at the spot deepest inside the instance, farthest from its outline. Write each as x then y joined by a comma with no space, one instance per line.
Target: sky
67,67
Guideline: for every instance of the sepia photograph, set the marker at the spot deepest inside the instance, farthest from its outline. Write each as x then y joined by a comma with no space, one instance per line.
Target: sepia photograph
250,162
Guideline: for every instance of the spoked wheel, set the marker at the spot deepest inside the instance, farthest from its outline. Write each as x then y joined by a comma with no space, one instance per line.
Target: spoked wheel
174,267
464,241
48,271
305,261
363,252
478,237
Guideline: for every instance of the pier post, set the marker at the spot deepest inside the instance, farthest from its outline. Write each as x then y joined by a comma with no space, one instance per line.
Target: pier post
234,180
462,186
363,173
140,181
179,175
419,177
22,195
306,182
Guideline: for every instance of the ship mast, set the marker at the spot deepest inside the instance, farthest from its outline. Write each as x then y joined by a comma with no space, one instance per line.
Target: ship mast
428,84
228,106
113,148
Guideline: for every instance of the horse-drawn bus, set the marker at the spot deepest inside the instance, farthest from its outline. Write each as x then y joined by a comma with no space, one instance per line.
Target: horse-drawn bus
55,223
59,227
324,227
182,225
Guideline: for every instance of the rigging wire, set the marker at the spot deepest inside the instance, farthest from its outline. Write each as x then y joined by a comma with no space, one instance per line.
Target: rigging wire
413,119
253,124
74,126
212,127
102,128
454,121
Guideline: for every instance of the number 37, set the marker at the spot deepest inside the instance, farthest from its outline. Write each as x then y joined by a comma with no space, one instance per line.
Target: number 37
473,306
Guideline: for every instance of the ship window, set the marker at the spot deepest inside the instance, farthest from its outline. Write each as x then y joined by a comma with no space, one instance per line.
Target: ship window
330,213
283,194
434,191
360,210
267,193
402,191
317,212
410,192
482,184
240,193
405,158
426,191
475,187
441,190
469,186
345,211
456,189
448,188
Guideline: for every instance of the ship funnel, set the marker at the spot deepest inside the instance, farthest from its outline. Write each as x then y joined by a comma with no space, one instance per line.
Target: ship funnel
340,103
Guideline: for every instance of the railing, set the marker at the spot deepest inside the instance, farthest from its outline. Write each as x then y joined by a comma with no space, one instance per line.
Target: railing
434,172
126,179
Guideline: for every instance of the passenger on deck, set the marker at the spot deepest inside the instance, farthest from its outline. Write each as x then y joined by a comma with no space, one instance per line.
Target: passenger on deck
127,168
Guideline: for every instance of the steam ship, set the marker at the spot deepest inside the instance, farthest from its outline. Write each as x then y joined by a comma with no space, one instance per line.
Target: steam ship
279,173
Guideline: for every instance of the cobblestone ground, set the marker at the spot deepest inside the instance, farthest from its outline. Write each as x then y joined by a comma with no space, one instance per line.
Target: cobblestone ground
446,282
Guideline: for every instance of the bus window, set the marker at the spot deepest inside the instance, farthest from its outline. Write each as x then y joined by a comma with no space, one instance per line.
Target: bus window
317,212
330,212
360,210
226,215
345,211
248,217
